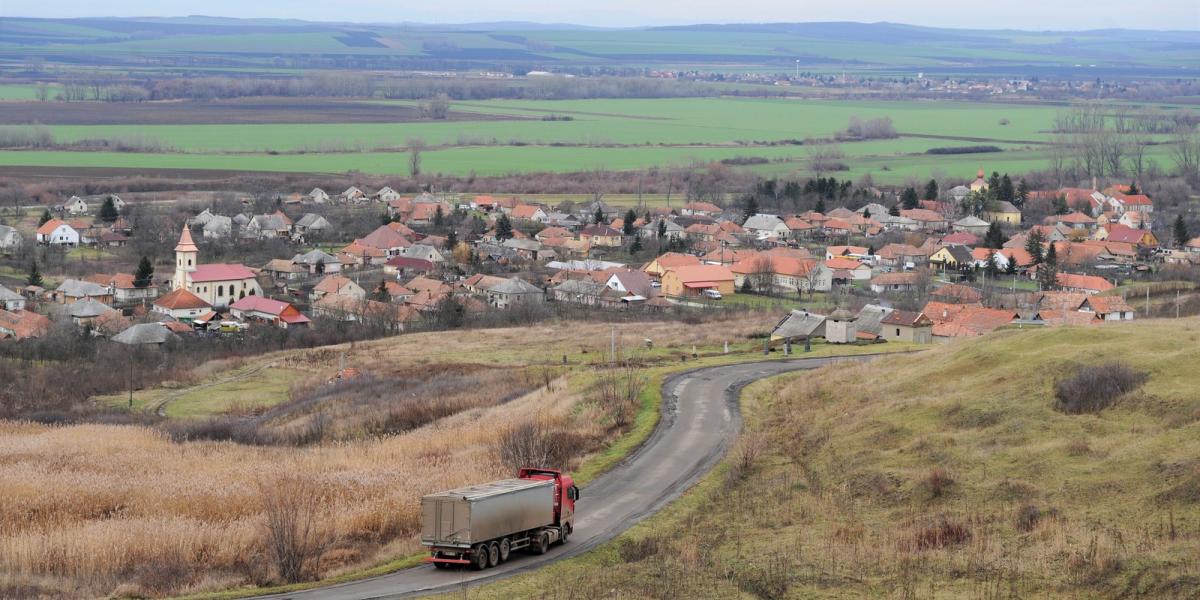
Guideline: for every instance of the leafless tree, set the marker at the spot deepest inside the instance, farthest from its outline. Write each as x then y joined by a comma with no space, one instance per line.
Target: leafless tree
294,537
822,159
415,147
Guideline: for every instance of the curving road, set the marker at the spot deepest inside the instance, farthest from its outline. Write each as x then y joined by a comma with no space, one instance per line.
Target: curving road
700,420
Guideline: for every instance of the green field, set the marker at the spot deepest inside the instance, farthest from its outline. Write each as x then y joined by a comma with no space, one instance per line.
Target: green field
617,134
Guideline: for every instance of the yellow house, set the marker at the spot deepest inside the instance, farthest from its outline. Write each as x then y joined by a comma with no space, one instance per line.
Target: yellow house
951,257
692,280
602,235
1003,212
660,265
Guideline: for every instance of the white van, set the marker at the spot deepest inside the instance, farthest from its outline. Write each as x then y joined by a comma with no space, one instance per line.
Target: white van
712,294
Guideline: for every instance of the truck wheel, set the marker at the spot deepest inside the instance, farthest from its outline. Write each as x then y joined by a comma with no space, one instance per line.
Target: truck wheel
440,565
543,544
505,550
493,554
566,532
479,557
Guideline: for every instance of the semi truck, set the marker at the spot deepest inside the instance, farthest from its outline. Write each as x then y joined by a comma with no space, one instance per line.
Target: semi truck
481,525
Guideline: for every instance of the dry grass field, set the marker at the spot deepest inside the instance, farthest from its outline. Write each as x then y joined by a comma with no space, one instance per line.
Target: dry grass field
951,474
93,510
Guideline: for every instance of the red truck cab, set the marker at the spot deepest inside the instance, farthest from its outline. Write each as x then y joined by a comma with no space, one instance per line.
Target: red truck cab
565,494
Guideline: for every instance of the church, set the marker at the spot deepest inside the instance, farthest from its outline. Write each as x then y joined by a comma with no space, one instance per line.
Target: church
218,284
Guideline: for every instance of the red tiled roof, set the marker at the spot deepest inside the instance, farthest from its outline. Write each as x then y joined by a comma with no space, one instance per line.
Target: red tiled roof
48,227
844,263
1084,282
702,273
221,272
181,299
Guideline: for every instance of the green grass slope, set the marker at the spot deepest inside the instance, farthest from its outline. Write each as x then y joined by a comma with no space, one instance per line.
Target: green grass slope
946,474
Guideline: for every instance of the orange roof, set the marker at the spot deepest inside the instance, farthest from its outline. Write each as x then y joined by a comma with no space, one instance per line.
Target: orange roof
1108,304
898,278
23,323
675,259
1076,217
844,250
779,265
842,262
181,299
1084,282
332,284
48,227
702,207
185,241
525,211
838,224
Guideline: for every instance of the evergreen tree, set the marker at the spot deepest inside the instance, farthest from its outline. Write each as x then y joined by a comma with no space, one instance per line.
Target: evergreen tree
599,216
1133,189
866,213
144,275
452,239
820,207
438,217
994,183
1033,245
1060,206
1181,231
35,275
636,246
504,228
995,237
909,198
1007,193
381,292
931,190
45,217
1048,271
627,226
991,268
894,210
1022,193
108,211
662,228
1012,265
749,207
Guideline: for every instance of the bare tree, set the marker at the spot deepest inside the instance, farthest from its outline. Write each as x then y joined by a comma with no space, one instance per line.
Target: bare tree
822,159
293,534
415,147
1186,152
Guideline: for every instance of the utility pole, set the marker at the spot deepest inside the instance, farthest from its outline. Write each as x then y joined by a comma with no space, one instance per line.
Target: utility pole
1147,300
613,343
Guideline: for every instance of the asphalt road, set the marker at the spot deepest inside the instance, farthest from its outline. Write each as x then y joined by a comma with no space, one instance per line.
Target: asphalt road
700,421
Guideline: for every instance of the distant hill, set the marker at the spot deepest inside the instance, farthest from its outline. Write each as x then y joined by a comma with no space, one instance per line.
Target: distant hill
206,41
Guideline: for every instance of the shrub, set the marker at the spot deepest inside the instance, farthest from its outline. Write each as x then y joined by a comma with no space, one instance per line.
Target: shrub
632,551
1096,387
534,444
942,534
938,482
293,533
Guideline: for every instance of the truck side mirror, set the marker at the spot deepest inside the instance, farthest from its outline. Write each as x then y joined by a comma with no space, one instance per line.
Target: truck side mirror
573,493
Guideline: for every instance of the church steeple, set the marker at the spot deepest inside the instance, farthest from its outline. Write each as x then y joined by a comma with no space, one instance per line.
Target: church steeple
186,256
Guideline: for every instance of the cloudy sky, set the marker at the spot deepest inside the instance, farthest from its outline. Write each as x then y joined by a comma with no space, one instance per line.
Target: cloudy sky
1017,14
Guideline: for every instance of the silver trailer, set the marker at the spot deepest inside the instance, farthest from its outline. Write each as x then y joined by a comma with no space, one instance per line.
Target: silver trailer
480,513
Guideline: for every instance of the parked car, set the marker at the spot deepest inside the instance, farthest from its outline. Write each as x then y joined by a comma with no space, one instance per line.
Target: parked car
712,294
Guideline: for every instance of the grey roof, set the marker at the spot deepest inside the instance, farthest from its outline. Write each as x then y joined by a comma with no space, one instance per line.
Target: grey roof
144,333
581,286
876,209
87,308
800,323
202,219
80,289
7,294
961,254
424,252
241,219
1004,206
272,222
762,221
888,219
522,244
635,282
314,257
870,317
515,285
218,224
959,191
312,221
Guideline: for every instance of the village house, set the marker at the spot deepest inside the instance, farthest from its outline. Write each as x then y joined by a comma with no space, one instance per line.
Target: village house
373,312
905,326
703,209
123,289
511,292
1088,284
602,236
337,284
900,281
529,213
635,285
1107,308
764,227
664,262
57,233
218,284
352,195
318,196
71,291
10,300
265,310
971,224
926,219
398,266
181,305
840,327
76,206
765,273
88,312
217,227
10,239
691,281
265,227
310,225
799,325
952,257
385,194
317,262
280,268
22,324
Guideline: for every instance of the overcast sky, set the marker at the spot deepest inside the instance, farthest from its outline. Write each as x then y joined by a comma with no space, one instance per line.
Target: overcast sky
1016,14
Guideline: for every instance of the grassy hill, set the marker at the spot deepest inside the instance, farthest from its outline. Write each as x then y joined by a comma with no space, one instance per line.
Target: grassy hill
948,474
